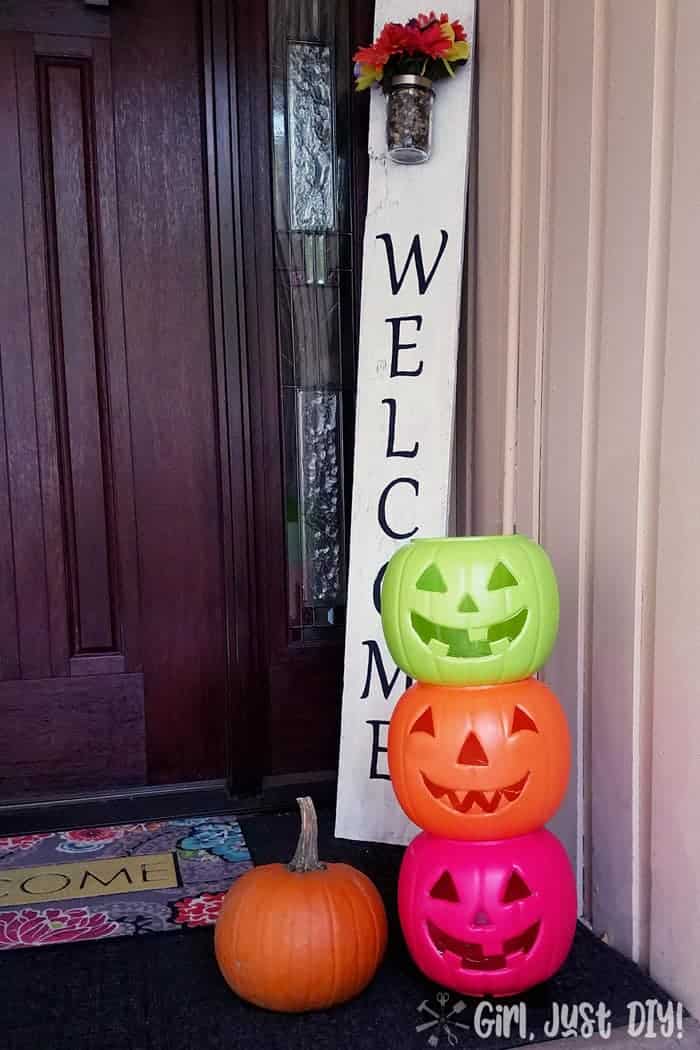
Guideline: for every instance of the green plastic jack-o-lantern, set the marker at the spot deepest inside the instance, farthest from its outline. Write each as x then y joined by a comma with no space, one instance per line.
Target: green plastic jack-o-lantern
470,610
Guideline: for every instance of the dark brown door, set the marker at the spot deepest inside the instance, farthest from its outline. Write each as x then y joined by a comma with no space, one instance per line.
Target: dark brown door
181,196
112,647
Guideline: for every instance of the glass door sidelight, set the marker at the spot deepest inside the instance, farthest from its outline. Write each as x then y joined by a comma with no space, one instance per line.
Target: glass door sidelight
317,203
310,95
287,153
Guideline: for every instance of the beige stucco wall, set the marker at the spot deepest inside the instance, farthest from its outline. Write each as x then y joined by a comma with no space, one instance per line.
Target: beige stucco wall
583,380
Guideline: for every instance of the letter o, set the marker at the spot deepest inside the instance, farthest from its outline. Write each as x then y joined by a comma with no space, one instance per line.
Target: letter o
24,886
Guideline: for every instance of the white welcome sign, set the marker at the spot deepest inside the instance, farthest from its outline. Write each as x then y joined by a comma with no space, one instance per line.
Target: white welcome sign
409,330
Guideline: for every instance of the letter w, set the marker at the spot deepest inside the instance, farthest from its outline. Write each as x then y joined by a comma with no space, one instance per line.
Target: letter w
416,254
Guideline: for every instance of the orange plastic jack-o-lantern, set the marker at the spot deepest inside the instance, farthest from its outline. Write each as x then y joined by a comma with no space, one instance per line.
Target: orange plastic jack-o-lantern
479,762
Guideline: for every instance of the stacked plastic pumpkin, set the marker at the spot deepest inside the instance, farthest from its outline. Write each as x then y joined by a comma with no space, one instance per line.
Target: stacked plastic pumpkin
479,754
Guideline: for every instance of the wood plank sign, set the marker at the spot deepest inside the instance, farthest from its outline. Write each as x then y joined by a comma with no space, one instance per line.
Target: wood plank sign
409,330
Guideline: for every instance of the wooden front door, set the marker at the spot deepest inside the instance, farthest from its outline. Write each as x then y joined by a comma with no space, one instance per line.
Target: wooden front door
112,648
176,369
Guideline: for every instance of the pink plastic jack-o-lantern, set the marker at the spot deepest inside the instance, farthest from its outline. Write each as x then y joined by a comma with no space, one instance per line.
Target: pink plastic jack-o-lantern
488,918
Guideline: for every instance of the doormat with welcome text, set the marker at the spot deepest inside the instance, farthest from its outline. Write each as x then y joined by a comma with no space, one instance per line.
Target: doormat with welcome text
117,881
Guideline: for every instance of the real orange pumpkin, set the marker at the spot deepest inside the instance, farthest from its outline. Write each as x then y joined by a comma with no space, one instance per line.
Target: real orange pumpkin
479,762
304,935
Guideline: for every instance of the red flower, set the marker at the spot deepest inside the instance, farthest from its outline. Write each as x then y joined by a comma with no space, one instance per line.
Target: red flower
198,911
93,834
90,840
369,56
19,929
433,41
423,21
457,27
21,841
110,834
393,39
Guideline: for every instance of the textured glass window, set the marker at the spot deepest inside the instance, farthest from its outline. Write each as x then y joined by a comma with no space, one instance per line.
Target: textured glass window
310,91
310,101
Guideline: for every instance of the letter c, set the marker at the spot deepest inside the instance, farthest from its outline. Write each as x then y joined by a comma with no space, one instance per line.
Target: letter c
381,513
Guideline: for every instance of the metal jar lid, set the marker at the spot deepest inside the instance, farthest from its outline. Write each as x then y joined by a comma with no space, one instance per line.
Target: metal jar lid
411,80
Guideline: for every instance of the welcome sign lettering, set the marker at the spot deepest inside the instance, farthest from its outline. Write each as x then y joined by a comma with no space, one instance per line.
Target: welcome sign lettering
409,332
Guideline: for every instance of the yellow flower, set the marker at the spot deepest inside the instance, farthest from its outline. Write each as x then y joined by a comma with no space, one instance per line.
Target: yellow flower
458,51
447,30
368,75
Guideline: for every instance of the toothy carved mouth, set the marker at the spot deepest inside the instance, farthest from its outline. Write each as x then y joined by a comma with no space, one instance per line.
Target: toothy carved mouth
486,801
471,954
468,642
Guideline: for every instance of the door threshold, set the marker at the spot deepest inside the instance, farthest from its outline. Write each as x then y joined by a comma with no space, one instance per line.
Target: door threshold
199,798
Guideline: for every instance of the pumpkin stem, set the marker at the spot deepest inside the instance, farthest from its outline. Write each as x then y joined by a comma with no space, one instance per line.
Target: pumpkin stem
306,856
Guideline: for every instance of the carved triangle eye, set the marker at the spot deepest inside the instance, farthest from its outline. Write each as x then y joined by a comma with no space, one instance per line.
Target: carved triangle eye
516,890
445,889
501,577
521,721
424,723
431,580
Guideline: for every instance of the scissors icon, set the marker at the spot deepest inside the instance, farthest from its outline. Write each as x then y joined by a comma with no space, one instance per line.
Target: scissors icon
442,1021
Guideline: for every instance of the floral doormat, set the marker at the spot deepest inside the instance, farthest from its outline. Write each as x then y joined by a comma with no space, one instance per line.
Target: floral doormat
117,881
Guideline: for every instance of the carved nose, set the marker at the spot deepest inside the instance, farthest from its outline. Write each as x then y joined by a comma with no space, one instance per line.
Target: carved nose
481,918
472,753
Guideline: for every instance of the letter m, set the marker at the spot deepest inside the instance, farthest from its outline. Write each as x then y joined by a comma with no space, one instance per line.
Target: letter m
374,658
105,882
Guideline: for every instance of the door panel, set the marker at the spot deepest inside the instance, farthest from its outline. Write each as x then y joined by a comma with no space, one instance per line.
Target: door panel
77,358
111,594
71,735
24,644
70,544
159,137
81,347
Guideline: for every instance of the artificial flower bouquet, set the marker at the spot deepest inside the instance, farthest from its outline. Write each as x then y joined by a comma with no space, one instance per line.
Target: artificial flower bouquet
405,60
426,46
